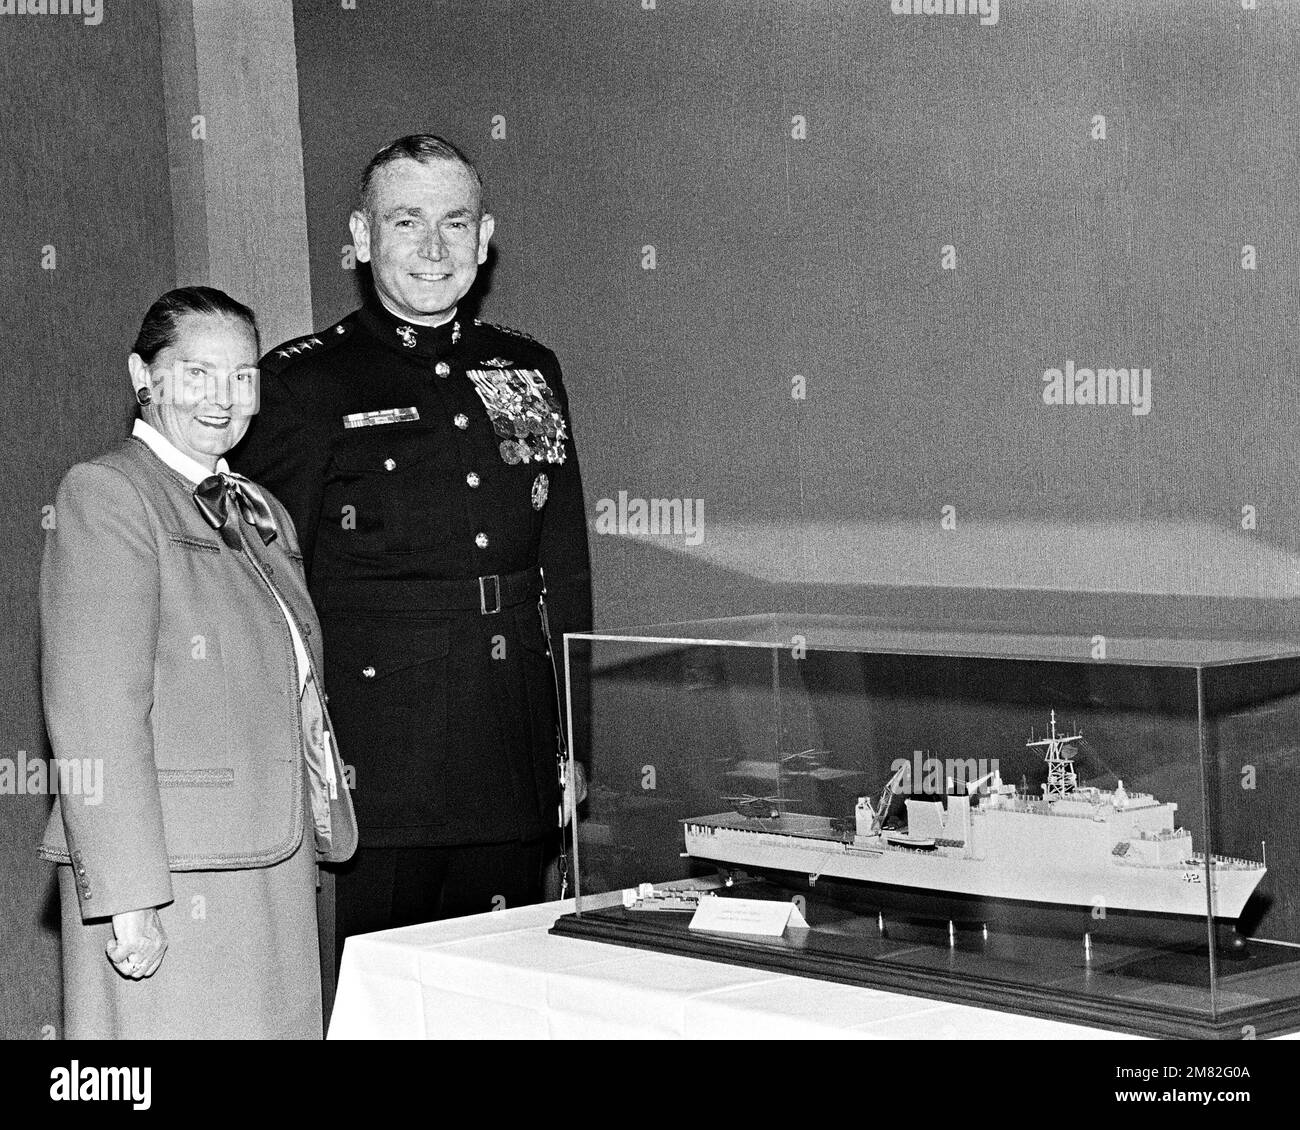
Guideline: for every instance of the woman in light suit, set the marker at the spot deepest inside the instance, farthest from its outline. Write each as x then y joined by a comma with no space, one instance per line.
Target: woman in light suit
180,649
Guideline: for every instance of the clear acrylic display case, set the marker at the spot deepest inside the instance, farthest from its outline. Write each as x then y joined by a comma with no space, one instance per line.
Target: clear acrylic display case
1090,828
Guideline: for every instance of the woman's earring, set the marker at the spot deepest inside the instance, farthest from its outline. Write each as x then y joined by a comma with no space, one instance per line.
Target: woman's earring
143,396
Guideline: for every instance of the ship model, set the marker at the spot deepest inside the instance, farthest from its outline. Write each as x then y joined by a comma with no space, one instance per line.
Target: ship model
1069,846
648,898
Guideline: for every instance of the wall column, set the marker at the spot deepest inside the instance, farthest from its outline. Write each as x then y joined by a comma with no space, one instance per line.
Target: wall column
230,82
235,151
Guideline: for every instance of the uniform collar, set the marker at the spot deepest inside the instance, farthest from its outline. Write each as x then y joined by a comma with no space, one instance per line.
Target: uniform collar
406,337
173,456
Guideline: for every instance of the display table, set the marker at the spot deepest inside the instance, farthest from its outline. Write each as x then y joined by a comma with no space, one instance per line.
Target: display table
502,976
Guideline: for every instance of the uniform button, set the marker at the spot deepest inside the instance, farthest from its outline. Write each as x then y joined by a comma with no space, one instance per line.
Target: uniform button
472,479
338,329
368,672
481,540
461,421
390,464
442,369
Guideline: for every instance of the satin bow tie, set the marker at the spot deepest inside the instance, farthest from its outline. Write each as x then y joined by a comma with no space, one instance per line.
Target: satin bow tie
212,497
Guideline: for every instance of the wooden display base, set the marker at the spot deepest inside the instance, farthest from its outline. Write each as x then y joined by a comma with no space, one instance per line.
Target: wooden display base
1121,984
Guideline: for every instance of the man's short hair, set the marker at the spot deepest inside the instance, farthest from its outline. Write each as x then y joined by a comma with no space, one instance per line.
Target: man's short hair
422,147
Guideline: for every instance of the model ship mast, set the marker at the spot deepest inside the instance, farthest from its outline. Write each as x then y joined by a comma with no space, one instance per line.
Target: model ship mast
1061,780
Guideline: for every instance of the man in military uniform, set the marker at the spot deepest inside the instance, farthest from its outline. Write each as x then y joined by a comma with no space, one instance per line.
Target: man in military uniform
427,460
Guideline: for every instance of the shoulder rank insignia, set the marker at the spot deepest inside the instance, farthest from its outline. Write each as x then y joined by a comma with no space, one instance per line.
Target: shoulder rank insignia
507,330
283,354
293,348
525,414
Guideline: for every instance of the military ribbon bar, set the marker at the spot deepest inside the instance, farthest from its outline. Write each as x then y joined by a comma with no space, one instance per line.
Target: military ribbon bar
384,416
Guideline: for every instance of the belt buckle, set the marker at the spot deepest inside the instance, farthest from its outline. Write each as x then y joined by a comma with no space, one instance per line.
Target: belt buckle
483,595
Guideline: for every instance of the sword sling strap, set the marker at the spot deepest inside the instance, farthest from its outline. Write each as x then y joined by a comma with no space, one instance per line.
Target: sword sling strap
561,743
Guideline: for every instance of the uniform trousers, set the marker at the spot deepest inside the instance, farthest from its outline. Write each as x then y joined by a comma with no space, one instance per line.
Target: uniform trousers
381,888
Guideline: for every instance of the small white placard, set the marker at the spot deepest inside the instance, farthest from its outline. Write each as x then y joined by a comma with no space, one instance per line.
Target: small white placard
746,916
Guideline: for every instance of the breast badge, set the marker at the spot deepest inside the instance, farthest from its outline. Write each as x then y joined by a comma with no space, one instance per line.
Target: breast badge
525,414
541,488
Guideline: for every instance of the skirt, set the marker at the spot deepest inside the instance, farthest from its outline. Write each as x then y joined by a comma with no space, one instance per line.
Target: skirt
242,960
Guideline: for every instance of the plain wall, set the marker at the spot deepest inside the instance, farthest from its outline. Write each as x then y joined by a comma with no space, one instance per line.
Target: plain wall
84,171
822,258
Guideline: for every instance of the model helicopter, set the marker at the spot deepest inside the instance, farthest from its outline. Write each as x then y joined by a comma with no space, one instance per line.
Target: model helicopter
758,807
803,762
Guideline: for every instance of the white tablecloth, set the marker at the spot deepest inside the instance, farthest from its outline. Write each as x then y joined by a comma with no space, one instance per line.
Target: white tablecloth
502,975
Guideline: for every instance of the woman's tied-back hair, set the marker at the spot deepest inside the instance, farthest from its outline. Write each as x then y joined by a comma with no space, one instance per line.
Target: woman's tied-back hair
159,328
422,147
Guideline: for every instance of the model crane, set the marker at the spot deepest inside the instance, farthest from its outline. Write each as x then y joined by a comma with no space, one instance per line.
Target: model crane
881,810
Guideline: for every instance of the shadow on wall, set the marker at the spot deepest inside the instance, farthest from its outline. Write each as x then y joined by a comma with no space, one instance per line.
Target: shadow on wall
1122,577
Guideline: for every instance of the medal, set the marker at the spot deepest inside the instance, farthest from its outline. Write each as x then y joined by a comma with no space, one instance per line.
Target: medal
524,411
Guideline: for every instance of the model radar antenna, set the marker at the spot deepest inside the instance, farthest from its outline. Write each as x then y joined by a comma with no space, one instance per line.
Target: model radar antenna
1058,754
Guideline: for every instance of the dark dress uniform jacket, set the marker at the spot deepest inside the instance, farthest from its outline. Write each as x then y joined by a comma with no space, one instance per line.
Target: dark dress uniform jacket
430,472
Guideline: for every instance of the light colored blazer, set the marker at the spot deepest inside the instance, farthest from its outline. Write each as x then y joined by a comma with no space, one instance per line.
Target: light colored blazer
166,656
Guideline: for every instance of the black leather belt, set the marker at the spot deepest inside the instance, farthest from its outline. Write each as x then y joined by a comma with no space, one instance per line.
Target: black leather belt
484,595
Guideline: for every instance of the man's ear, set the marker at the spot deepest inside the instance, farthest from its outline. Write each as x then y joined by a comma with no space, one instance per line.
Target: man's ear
486,226
359,225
